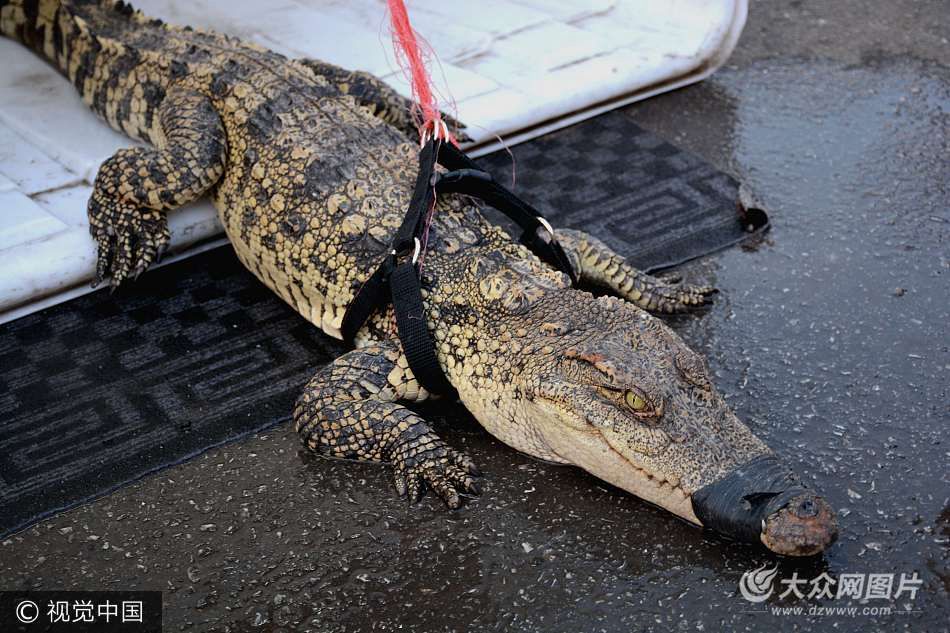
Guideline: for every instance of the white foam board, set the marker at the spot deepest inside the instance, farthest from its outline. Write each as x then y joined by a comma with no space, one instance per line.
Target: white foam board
511,68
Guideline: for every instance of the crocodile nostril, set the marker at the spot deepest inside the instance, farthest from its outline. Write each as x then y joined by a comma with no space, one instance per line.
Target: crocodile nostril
807,508
806,526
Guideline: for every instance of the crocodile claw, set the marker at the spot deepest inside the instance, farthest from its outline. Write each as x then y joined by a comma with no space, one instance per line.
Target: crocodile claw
667,296
128,239
427,462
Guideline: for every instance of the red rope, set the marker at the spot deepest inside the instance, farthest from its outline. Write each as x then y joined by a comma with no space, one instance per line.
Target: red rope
410,58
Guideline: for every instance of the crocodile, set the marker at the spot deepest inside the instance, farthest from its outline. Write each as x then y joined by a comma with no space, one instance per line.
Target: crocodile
311,168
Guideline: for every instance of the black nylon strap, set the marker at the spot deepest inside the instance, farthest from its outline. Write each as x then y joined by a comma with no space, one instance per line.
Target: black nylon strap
399,282
375,292
370,296
466,178
422,197
536,234
413,331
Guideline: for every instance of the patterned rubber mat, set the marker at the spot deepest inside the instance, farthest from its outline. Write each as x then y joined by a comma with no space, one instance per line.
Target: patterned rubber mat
645,198
105,389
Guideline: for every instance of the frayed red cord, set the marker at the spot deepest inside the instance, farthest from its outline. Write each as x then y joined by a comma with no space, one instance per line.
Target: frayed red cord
409,57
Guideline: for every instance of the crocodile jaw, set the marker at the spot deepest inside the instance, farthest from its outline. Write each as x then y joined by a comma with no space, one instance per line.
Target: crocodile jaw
805,527
588,449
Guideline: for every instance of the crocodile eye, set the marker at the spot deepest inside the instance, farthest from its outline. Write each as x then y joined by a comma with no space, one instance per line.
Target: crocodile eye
636,401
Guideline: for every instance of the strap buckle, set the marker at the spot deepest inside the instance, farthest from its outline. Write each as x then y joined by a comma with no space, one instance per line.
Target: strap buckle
416,251
439,132
396,280
547,226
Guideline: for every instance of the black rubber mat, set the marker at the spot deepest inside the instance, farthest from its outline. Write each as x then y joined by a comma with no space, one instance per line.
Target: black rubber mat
651,201
102,390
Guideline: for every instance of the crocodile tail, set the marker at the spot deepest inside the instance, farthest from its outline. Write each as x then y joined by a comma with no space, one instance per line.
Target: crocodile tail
58,29
38,24
20,20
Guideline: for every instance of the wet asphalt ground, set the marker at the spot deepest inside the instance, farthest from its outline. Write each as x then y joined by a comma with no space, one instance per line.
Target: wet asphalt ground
830,338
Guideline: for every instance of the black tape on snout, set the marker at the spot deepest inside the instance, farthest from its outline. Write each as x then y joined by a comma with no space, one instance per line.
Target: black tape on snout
737,504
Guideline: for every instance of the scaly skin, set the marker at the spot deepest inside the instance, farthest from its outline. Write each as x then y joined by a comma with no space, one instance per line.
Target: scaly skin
311,169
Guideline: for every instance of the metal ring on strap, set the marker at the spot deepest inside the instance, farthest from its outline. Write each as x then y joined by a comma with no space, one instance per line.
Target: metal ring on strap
399,283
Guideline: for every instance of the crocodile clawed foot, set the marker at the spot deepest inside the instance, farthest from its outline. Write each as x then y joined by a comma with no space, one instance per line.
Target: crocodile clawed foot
129,239
672,297
426,461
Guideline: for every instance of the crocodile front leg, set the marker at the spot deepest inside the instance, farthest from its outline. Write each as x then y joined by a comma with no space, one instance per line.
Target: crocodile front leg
350,409
136,187
374,93
599,265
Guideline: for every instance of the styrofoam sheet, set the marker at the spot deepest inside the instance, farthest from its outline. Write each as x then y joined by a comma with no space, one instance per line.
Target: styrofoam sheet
515,68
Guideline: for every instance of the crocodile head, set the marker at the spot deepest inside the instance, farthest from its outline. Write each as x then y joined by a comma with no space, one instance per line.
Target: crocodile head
615,391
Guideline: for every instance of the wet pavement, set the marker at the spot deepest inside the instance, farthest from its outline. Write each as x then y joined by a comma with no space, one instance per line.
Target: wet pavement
830,338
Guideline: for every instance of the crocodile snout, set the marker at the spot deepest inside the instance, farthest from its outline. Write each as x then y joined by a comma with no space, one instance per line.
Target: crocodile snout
804,527
763,501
